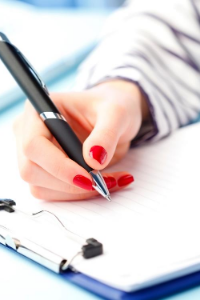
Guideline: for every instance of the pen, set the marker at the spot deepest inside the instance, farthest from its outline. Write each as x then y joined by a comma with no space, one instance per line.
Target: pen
38,95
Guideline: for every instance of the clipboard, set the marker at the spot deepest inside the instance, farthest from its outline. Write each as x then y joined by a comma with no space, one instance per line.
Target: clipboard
182,282
52,263
38,252
152,293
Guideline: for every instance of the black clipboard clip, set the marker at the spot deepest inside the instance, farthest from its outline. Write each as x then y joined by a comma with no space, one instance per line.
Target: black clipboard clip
91,248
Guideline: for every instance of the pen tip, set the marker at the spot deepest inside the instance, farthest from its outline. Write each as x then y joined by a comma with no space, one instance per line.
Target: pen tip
108,198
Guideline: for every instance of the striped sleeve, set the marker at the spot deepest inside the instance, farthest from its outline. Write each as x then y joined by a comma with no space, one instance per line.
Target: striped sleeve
155,44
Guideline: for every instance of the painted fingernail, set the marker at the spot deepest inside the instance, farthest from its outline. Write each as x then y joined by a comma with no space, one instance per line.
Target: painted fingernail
124,180
98,153
110,182
83,182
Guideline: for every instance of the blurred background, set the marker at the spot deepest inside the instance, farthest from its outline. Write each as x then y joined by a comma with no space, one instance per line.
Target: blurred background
55,35
76,3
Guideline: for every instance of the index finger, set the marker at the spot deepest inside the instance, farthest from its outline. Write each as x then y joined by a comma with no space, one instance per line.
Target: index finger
39,146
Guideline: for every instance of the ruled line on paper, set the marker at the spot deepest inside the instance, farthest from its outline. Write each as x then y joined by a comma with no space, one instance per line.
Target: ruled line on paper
151,188
141,165
144,201
117,208
60,208
152,180
80,211
156,154
154,176
134,204
116,212
152,166
157,163
96,209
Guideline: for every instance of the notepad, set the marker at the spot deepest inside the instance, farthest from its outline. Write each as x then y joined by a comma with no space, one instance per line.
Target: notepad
150,230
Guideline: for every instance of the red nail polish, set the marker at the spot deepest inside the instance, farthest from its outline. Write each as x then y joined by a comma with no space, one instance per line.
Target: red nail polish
98,153
110,182
124,180
83,182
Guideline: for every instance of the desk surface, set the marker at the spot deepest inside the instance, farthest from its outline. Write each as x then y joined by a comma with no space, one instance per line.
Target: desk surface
19,277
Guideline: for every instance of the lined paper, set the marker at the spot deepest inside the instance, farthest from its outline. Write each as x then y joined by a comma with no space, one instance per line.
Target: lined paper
148,229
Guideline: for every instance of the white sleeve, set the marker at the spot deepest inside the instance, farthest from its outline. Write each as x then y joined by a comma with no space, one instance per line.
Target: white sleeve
155,44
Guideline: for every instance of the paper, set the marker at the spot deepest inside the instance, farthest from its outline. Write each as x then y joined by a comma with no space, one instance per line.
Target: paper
149,230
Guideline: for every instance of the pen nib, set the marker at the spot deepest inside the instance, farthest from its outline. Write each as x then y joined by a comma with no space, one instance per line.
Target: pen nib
100,185
108,198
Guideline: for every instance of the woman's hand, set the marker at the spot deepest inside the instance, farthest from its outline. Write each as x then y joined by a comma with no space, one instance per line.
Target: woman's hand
105,118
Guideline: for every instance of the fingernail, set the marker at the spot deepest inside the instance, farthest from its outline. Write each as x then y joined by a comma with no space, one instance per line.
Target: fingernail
110,182
98,153
83,182
124,180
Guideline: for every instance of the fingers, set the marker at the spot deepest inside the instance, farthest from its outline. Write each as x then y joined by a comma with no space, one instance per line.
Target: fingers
44,153
36,176
52,195
118,120
37,147
45,166
100,146
45,186
56,190
117,180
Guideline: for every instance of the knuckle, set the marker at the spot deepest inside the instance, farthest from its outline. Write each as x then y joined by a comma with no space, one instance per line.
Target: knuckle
27,147
59,171
120,110
30,145
36,191
26,171
108,133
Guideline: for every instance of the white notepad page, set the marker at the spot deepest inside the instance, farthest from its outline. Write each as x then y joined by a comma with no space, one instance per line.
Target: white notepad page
150,230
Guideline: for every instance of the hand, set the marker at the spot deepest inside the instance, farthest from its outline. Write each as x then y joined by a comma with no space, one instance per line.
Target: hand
105,118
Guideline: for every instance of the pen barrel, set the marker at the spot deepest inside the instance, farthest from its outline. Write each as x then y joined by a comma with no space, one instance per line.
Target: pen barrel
30,83
15,63
67,140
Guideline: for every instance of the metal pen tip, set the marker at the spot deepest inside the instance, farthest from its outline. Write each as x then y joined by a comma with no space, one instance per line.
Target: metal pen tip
108,198
100,185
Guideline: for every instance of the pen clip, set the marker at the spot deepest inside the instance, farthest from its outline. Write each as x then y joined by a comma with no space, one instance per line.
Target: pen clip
4,38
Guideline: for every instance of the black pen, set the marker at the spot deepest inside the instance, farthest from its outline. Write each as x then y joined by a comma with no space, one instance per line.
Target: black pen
38,95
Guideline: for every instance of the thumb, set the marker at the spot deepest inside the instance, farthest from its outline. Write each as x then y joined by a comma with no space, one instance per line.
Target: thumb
99,147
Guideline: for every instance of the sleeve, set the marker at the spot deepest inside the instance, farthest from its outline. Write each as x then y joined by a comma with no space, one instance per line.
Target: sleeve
156,45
